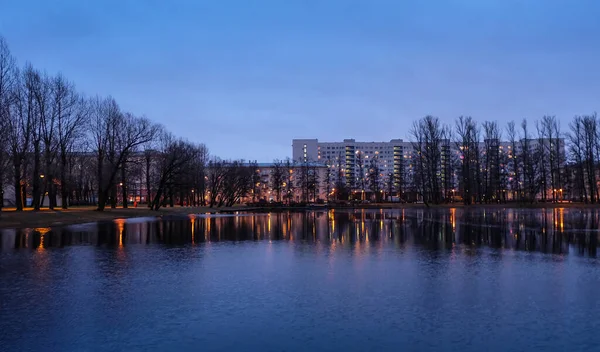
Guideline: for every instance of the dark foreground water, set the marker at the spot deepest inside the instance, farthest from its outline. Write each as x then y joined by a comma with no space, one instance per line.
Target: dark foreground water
413,280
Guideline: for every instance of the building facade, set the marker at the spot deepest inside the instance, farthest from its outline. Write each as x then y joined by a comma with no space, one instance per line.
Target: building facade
301,181
396,161
358,160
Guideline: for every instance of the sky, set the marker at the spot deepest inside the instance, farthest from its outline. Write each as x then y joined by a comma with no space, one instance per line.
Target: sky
246,77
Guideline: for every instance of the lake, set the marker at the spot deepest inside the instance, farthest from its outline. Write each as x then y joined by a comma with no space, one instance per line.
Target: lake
356,280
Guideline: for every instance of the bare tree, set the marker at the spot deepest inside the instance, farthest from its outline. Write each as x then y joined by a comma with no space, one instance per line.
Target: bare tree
174,158
514,174
390,185
303,180
133,132
7,86
590,152
277,178
576,149
528,164
341,188
374,176
328,181
467,139
217,172
290,167
236,184
201,173
313,181
115,136
71,113
20,126
555,148
427,135
491,163
418,143
401,175
447,164
39,85
362,175
49,100
256,182
542,153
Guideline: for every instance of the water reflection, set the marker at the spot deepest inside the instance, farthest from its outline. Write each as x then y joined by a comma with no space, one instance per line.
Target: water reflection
549,231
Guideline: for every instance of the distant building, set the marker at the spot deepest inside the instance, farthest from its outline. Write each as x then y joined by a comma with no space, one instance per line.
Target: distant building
355,159
396,160
264,190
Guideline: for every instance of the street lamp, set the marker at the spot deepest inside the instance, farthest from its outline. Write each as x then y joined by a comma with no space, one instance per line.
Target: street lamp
561,194
42,176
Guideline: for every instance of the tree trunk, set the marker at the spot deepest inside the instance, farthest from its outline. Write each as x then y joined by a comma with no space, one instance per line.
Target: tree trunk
48,184
24,193
17,183
113,197
148,194
43,197
36,189
63,180
101,202
101,195
124,186
155,203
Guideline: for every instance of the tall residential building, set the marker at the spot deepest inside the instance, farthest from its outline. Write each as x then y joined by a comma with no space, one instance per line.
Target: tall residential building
398,158
354,157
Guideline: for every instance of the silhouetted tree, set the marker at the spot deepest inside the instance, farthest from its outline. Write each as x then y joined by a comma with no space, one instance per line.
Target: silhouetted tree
7,120
290,179
375,178
115,137
514,169
491,161
467,140
576,150
174,159
277,178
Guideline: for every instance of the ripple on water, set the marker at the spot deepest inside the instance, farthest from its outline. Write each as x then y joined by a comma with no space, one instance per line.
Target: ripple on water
355,280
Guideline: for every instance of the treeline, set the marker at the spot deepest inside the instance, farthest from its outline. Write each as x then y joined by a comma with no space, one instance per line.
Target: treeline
476,163
58,143
486,162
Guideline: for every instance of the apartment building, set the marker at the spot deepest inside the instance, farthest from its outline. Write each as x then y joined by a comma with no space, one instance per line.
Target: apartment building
396,158
263,189
355,157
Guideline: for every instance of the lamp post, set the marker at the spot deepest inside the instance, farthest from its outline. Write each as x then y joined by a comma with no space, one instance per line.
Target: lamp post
561,194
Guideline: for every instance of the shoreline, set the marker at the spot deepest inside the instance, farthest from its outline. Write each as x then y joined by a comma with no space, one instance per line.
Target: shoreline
29,218
80,215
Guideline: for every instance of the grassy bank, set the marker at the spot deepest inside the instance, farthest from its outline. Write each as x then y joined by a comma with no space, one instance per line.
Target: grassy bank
9,218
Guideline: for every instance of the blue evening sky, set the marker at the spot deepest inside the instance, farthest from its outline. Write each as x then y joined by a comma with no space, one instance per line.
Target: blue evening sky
245,77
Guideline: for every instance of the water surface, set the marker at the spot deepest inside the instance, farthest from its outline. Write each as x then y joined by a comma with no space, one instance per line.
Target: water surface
415,280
